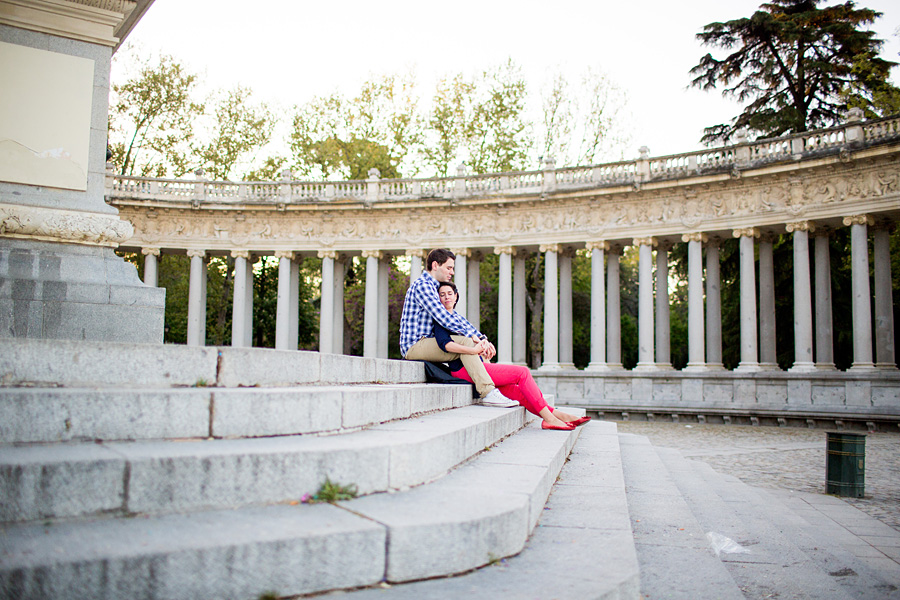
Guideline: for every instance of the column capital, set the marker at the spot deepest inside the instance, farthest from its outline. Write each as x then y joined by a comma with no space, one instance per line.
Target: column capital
504,250
423,254
332,254
569,251
196,253
822,231
150,251
598,245
461,251
800,226
859,220
695,236
752,232
372,254
551,248
644,241
240,254
768,236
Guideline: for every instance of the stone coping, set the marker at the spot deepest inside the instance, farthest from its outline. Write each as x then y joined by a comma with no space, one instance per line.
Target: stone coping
99,364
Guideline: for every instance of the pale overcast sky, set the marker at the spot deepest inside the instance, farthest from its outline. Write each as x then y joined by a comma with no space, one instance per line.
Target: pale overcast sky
288,51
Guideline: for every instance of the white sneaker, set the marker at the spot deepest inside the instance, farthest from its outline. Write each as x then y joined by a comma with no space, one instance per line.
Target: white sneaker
495,398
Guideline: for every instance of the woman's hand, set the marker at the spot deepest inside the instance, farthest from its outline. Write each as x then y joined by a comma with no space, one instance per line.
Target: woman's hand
489,351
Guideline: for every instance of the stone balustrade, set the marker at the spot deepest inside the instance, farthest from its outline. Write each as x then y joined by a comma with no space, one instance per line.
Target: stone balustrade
634,172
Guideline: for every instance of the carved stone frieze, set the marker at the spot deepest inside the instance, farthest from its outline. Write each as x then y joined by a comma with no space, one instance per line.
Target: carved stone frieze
69,226
774,198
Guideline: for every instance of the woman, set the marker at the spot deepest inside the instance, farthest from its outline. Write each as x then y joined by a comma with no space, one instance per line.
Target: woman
513,381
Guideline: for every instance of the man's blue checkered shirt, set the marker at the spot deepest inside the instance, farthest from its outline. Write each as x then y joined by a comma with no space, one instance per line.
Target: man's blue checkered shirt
421,306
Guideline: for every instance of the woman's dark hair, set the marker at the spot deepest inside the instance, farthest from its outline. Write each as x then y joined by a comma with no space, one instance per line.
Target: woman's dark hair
452,286
439,256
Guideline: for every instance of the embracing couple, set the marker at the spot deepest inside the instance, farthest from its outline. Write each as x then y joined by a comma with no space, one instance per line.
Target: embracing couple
431,330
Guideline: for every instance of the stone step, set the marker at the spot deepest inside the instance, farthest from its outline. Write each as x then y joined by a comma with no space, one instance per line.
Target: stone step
29,414
782,557
674,556
50,363
124,478
581,548
770,563
829,520
479,513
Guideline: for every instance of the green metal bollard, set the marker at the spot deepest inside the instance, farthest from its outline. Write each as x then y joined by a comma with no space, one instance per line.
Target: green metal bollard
845,467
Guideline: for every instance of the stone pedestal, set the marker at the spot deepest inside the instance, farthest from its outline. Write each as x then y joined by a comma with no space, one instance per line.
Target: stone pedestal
59,276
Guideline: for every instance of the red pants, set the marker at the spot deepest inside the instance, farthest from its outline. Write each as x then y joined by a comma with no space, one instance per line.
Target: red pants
514,382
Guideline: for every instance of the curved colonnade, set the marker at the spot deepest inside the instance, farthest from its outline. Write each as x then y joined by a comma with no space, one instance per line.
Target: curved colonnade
806,185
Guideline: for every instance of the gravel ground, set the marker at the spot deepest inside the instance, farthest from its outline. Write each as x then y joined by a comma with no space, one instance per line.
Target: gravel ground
783,458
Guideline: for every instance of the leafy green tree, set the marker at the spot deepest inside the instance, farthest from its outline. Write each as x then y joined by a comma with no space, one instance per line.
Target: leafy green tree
240,128
582,122
798,65
497,135
336,137
151,119
446,123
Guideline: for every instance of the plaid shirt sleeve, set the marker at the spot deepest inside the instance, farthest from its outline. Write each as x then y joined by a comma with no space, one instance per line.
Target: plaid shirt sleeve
422,306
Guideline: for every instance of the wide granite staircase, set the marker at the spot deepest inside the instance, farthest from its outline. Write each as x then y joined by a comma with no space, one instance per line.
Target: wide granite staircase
166,472
133,471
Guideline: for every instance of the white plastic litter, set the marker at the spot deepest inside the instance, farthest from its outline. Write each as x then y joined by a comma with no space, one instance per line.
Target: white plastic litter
723,544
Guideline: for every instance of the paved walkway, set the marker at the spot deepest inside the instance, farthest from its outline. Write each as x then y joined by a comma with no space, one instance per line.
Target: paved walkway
784,458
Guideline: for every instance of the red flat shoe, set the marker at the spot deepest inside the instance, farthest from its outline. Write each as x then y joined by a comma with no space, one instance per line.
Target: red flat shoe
579,421
567,427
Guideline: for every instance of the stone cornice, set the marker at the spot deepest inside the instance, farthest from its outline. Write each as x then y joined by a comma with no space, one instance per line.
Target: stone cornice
68,226
93,21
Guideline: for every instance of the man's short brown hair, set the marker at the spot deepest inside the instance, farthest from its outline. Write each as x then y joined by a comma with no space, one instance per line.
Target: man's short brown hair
439,256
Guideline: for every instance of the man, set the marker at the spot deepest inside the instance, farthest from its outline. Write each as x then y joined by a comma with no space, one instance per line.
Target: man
422,307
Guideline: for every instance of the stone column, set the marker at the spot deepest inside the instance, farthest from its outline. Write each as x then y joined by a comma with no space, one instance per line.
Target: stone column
613,310
696,351
862,298
713,306
151,266
340,273
384,272
598,308
241,332
461,279
326,305
749,356
520,320
803,325
370,323
884,301
283,339
768,358
196,325
416,261
566,353
474,289
504,305
551,307
824,323
646,330
294,304
663,326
